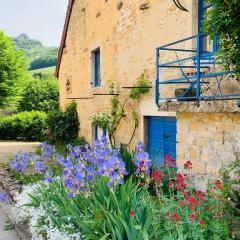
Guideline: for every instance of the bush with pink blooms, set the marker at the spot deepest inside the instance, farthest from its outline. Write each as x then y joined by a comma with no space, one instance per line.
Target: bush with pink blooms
185,213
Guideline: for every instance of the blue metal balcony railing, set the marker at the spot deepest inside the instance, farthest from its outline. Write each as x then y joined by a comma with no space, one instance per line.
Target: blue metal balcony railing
203,66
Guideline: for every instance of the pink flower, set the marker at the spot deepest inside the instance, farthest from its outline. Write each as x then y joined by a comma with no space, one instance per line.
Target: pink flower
192,217
188,165
179,177
218,184
200,195
181,203
192,202
181,185
175,217
201,222
132,213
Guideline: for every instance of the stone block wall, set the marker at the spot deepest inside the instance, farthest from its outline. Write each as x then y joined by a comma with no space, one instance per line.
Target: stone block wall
127,32
207,139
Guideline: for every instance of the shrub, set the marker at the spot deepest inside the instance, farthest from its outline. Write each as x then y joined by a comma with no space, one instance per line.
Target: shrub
231,184
186,213
223,20
40,95
25,126
63,126
12,70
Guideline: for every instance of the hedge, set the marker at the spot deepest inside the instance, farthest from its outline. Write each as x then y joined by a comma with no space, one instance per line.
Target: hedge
24,126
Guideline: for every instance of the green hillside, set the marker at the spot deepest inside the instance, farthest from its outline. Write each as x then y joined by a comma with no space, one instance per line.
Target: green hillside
38,55
43,72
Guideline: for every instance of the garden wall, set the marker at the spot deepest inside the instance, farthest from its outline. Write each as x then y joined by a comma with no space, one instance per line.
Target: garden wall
207,139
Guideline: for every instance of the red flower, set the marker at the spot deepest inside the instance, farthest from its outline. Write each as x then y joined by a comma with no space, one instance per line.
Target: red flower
175,217
192,202
185,193
181,203
188,165
132,213
192,217
179,177
200,195
141,184
202,222
218,184
156,176
170,184
169,161
181,185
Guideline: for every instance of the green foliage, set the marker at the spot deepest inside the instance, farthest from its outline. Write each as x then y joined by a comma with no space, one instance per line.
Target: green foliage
25,126
12,69
43,73
38,55
127,157
109,121
231,182
105,214
141,87
63,126
223,21
41,95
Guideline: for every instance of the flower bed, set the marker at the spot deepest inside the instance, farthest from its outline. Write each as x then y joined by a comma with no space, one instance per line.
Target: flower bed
103,193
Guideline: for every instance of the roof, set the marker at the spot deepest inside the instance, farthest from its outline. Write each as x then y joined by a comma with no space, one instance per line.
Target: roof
64,35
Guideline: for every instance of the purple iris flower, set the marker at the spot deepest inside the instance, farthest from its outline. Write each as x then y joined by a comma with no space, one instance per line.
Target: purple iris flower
68,164
78,176
114,175
39,167
48,176
59,159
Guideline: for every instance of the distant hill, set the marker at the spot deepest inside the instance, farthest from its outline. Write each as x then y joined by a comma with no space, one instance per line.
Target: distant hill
38,55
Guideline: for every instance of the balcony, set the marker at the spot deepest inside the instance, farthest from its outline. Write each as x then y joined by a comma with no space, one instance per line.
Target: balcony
189,70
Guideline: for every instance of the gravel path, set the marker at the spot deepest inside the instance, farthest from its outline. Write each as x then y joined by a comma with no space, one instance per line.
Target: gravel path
7,151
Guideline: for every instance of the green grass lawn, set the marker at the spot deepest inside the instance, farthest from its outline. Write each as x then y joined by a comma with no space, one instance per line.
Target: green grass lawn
44,71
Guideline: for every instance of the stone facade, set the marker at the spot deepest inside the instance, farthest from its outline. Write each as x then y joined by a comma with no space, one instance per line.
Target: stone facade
208,139
128,33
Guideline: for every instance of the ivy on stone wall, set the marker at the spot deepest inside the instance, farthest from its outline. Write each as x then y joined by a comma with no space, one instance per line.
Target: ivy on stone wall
223,20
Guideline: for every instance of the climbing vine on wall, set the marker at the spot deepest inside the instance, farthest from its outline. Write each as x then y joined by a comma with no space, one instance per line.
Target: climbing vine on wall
109,121
223,20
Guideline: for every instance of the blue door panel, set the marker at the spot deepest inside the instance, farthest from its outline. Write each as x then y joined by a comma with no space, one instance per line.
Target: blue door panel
161,138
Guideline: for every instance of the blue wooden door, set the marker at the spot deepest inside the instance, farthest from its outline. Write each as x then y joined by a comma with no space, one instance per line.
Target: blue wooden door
161,138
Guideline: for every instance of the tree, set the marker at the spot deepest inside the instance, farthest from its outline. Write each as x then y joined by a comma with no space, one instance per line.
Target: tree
12,69
39,94
223,21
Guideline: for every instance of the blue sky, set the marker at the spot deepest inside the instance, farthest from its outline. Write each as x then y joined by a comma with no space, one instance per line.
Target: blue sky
40,19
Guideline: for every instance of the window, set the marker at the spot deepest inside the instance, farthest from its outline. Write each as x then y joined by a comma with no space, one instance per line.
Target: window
206,44
98,132
96,68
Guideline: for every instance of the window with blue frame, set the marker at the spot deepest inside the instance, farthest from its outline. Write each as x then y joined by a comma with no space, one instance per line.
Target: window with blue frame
203,7
98,132
96,68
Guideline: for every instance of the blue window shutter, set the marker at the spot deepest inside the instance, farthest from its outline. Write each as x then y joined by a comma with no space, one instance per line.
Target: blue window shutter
161,138
96,132
97,68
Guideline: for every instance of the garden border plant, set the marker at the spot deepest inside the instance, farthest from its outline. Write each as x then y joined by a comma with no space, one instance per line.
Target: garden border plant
85,195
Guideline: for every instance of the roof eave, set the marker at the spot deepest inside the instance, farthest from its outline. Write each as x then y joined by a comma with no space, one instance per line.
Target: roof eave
64,36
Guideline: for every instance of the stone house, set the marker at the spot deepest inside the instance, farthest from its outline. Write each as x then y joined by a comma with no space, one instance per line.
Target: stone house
191,111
